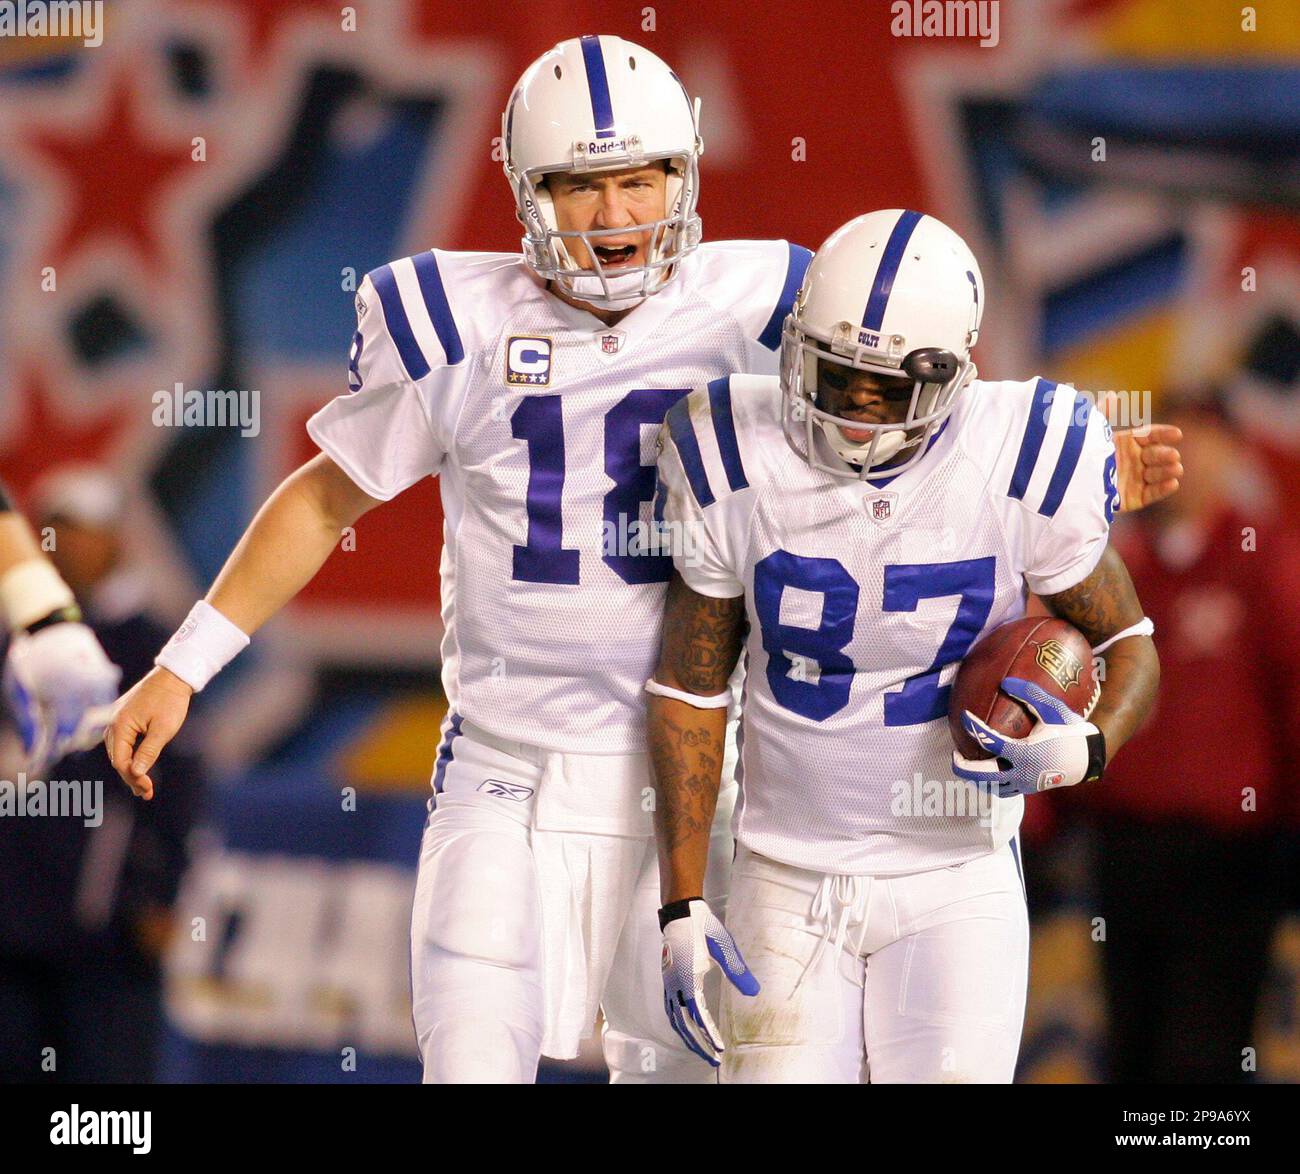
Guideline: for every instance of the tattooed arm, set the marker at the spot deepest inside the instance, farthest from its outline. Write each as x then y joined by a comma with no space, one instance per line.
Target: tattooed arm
1103,604
701,644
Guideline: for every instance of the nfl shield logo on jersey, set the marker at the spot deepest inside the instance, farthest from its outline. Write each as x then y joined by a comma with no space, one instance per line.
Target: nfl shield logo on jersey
881,507
612,342
528,361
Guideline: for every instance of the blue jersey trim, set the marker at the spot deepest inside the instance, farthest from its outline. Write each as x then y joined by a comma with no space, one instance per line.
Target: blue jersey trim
1032,442
602,109
682,431
435,299
399,326
890,259
724,428
796,267
1068,461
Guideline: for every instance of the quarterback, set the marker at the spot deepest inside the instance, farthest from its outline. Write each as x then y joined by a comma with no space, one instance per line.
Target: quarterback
533,387
869,513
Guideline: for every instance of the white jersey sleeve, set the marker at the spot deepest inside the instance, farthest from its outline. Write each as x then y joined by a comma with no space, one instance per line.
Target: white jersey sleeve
1057,472
406,376
704,491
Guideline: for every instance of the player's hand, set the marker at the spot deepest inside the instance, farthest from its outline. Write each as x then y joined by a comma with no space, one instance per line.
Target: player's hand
694,939
57,682
151,713
1148,464
1061,750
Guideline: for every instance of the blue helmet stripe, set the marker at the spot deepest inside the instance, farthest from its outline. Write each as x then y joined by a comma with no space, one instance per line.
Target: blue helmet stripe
796,267
399,326
1068,461
890,260
602,109
1032,443
724,428
682,431
435,299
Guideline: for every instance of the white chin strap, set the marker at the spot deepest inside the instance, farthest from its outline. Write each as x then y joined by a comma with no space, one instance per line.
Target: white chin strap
855,451
621,288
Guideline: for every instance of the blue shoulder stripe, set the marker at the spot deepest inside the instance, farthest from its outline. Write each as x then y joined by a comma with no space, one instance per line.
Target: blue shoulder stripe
435,298
1032,443
602,109
890,259
796,267
399,326
682,431
724,428
1068,461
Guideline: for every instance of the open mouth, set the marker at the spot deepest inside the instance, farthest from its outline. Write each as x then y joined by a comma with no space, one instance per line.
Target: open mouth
609,255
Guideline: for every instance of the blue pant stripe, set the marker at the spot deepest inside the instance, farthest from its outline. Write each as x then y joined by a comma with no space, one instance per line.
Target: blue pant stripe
446,752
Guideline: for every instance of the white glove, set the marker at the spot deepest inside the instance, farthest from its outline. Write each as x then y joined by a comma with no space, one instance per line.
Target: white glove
693,940
1060,751
59,685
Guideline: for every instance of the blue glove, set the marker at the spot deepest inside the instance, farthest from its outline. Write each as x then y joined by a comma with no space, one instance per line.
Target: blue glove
1061,750
693,940
59,686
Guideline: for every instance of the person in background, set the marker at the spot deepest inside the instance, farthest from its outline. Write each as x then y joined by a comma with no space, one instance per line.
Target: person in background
85,912
57,679
1189,823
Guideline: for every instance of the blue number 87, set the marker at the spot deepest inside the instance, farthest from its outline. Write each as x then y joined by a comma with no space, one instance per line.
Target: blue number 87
921,699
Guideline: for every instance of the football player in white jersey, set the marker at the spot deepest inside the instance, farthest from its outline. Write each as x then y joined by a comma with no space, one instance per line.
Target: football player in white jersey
533,387
869,514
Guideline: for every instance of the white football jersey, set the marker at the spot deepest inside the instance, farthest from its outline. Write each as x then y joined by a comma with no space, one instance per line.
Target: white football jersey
863,597
540,422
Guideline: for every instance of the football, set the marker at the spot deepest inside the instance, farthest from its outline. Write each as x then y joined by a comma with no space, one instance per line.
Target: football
1049,652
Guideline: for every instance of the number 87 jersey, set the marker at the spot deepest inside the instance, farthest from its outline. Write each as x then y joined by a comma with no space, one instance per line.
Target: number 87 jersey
863,596
540,423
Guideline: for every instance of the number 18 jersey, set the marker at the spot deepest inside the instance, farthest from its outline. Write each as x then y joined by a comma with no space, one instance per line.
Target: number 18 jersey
862,598
540,423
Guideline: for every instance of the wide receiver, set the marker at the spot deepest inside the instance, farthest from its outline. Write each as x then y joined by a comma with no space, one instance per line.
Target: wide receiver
870,513
533,386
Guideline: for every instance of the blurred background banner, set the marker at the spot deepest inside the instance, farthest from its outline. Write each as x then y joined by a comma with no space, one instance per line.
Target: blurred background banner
186,210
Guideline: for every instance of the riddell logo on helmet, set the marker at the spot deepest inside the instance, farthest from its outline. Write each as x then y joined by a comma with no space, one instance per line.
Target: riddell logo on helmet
619,146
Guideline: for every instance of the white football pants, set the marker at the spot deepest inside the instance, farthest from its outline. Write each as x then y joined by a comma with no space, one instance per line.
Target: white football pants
518,935
901,979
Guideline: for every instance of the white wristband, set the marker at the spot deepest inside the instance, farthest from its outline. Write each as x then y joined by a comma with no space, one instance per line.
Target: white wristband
1144,627
203,645
721,701
30,591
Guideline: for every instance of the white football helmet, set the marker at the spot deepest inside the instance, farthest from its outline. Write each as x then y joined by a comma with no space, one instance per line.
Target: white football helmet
599,104
894,293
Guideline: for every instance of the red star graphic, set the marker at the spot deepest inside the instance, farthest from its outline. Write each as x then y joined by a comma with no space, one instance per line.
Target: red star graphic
46,437
116,176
